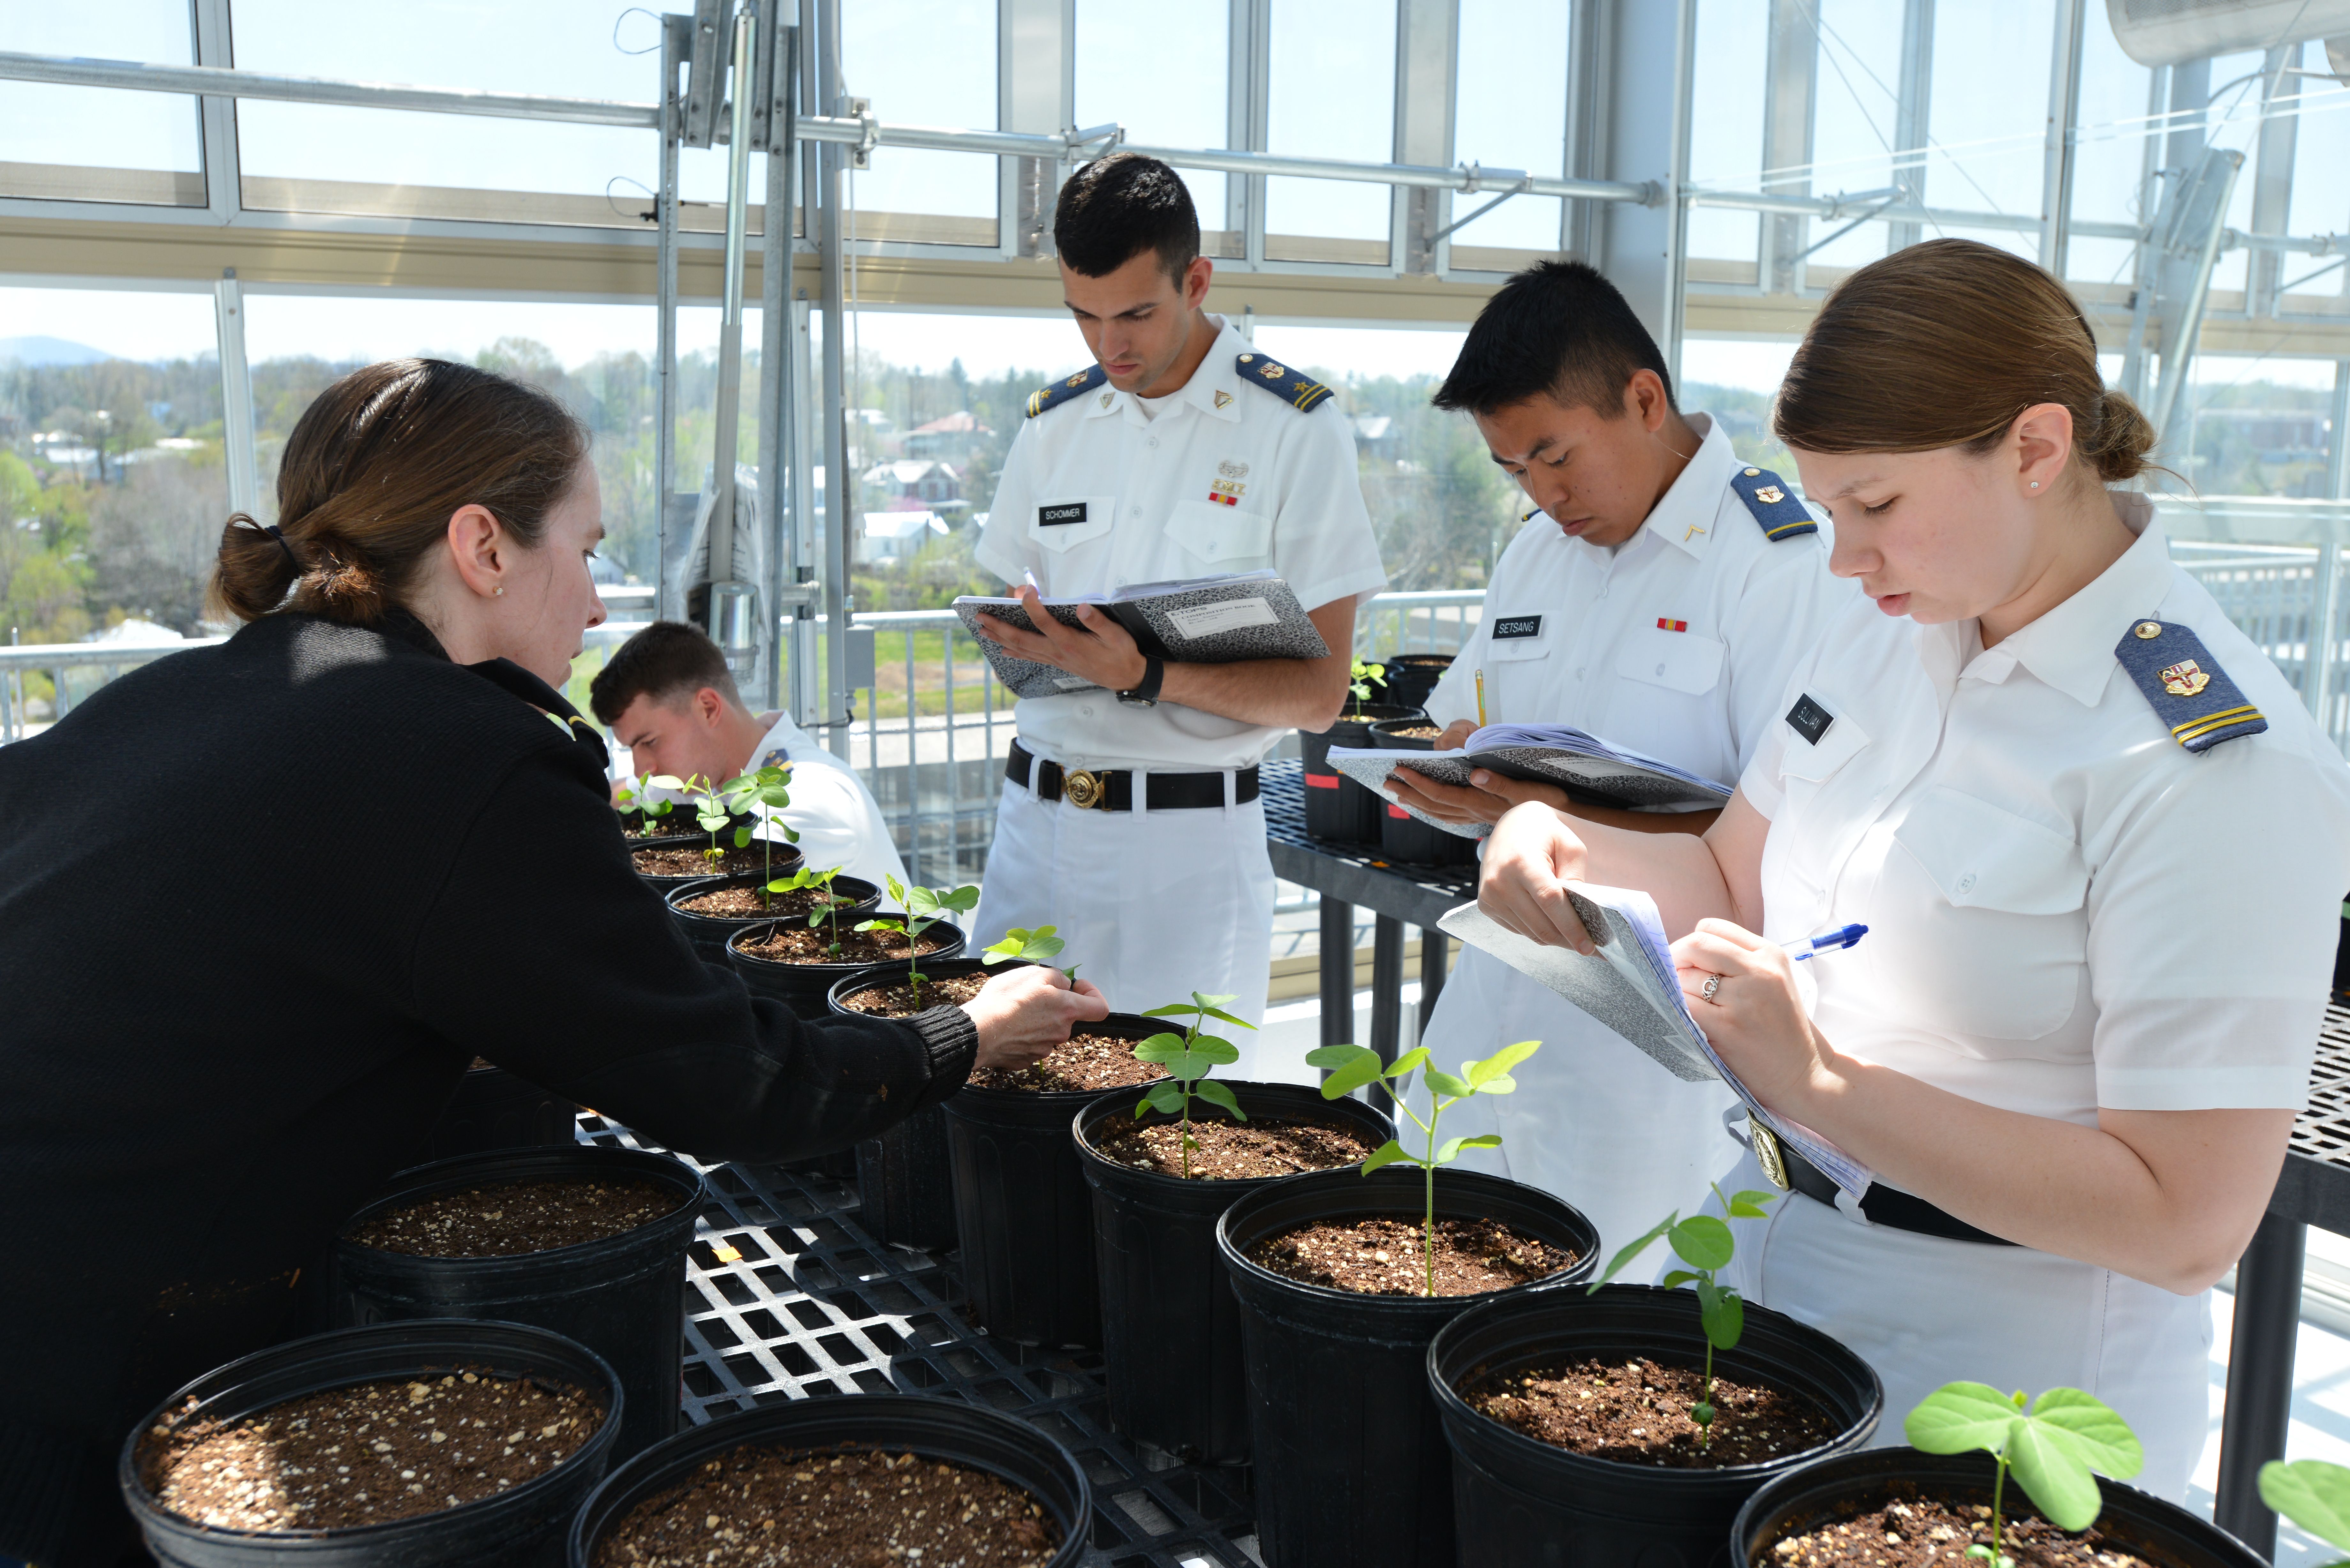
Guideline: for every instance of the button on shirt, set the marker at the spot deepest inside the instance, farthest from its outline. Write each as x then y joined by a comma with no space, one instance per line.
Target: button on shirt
1218,477
1677,642
2067,909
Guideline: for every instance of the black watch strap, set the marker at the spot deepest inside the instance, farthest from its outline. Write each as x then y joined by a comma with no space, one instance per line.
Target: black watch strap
1145,693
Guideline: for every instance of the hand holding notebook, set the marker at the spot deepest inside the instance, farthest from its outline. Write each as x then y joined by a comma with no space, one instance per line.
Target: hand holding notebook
1197,620
1586,767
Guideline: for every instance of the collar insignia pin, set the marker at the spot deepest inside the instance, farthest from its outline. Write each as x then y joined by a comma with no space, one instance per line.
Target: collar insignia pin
1228,469
1222,398
1105,398
2184,679
1693,530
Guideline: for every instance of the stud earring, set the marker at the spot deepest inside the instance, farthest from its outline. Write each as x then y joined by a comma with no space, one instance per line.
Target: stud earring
500,593
2035,484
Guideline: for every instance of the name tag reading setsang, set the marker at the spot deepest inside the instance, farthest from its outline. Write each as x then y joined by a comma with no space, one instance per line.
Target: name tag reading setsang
1053,516
1517,625
1809,720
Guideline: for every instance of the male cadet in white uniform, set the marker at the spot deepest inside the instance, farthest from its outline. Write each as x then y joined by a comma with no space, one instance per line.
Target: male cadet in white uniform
1661,604
1129,818
667,696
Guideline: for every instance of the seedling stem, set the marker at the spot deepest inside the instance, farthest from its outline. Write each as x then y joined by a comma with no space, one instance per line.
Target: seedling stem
1188,1058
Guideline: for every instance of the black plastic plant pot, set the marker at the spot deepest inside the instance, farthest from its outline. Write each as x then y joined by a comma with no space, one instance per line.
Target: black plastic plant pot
905,1183
524,1526
938,1429
1352,1469
1411,678
622,1296
1171,1324
806,988
1403,836
493,1108
1337,807
1828,1490
1520,1500
709,932
787,859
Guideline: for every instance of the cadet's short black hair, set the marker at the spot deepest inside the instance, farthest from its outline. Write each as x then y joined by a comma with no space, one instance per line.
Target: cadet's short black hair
667,661
1558,328
1115,208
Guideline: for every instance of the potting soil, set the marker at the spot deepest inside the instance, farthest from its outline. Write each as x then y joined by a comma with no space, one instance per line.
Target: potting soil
1082,1061
900,1001
688,860
1419,732
1232,1151
1909,1531
369,1453
802,944
516,1217
1378,1256
1637,1412
766,1508
728,902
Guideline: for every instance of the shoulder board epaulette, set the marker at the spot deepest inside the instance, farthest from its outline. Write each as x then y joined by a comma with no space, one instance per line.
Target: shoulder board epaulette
1281,380
2186,686
1765,494
1067,386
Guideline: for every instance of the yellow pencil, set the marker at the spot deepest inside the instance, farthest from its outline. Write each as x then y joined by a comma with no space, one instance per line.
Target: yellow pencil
1481,698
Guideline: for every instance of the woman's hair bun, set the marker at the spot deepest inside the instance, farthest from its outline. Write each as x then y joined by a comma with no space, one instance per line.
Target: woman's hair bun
253,571
2117,448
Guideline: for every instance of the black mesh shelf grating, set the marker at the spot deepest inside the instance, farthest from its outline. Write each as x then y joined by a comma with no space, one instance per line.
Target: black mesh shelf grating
2323,1132
788,1298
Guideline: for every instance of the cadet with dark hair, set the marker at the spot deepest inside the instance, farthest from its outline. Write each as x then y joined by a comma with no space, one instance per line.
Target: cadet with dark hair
1131,820
1661,604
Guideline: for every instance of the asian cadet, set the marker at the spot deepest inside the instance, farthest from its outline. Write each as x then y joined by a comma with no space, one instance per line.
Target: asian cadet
1129,819
1660,599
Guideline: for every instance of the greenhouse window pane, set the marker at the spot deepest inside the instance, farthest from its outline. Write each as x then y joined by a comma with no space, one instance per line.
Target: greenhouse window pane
1509,111
1989,120
1180,101
2321,193
1726,135
94,144
2234,121
924,62
1332,95
1855,104
2108,156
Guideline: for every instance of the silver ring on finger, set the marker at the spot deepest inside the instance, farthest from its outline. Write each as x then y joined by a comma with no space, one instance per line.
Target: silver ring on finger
1712,983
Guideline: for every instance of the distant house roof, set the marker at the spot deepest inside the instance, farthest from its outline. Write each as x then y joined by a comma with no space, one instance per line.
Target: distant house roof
960,422
1372,427
905,471
902,524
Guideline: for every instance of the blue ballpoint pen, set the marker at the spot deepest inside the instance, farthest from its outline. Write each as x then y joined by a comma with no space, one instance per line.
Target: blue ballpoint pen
1802,947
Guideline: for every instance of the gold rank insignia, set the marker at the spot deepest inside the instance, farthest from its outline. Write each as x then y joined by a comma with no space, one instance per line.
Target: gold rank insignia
1076,381
1770,495
1272,372
2184,679
1222,398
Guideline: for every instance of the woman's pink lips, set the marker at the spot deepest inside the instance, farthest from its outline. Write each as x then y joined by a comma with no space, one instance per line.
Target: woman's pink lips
1893,604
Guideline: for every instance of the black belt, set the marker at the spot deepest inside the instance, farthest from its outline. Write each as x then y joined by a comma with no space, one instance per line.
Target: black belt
1113,789
1883,1205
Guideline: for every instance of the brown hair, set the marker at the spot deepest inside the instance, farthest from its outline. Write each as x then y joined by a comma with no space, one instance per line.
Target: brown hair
1945,344
667,661
374,470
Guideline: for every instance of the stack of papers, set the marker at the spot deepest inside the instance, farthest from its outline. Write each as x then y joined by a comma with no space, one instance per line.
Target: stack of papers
1589,769
1630,986
1194,621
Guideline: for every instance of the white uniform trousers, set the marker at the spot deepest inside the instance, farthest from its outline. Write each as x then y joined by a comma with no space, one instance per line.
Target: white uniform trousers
1924,1311
1154,905
1594,1121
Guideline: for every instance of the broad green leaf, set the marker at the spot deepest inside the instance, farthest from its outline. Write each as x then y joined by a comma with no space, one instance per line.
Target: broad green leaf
2093,1432
1452,1146
881,925
742,838
963,900
1177,1010
1043,945
1409,1062
1324,1056
1499,1083
667,781
1158,1048
921,901
1679,1277
2053,1475
1356,1072
2314,1494
897,889
1188,1065
1498,1064
1202,999
1217,1093
1749,1205
1387,1153
1626,1254
1483,1141
1440,1081
1218,1012
1703,1241
1957,1416
1222,1051
1164,1098
1721,1312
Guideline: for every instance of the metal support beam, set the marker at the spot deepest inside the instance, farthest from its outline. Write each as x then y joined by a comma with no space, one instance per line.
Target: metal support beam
779,409
216,117
2196,212
1247,113
2325,642
1386,987
1652,53
726,417
236,397
1427,40
1036,69
1435,954
677,43
2260,1377
2272,178
2057,160
1913,112
1590,50
1791,80
841,486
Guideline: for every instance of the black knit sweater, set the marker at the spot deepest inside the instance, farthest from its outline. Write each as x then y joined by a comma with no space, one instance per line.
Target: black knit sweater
260,904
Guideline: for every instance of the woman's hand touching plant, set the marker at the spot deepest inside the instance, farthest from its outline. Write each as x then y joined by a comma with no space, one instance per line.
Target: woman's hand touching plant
1022,1014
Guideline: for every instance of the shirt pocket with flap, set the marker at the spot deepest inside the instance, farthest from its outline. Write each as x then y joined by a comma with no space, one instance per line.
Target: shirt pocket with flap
1064,522
1983,916
1226,538
1673,659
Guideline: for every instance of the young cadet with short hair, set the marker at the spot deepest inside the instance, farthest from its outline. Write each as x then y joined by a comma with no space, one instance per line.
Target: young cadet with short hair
1129,818
666,694
1660,602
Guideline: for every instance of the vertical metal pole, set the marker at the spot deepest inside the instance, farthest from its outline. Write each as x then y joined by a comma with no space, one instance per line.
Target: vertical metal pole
1435,956
2272,179
726,417
2147,263
236,396
841,486
778,408
216,117
1676,269
2057,160
1790,79
2260,1377
1387,986
2324,641
1913,112
677,43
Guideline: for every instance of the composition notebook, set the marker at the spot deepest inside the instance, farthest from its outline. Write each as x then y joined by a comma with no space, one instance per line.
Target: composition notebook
1198,620
1589,769
1629,985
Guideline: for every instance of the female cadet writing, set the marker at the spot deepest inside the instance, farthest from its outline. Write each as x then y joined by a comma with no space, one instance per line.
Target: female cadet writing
2097,841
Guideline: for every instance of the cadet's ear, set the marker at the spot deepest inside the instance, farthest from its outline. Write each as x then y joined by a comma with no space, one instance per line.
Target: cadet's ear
1195,281
708,707
1644,399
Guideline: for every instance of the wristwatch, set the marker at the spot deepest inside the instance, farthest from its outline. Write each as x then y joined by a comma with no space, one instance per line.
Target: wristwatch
1145,693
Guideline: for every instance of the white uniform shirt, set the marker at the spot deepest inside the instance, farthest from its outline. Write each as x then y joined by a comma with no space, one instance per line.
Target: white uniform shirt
1577,634
2067,909
1151,481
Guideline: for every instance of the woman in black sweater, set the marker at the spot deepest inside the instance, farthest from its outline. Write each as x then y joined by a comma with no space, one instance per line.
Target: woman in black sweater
260,904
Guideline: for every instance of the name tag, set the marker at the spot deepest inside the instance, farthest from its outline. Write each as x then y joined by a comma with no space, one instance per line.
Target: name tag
1517,625
1809,720
1053,516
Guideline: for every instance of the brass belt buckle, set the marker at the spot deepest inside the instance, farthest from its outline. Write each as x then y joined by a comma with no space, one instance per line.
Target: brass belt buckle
1767,1154
1085,790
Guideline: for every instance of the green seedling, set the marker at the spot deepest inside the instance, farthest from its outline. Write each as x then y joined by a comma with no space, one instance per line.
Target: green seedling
827,901
2314,1495
1352,1066
1189,1057
766,793
1706,1245
709,809
925,907
650,807
2058,1448
1362,675
1020,945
